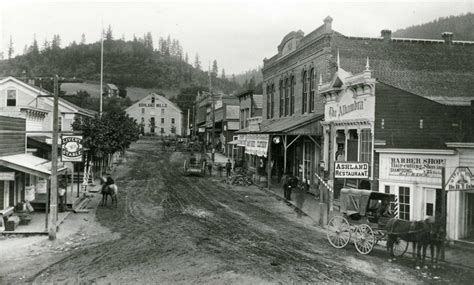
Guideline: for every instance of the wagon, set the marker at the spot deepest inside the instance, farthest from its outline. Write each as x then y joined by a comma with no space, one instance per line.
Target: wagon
362,221
195,164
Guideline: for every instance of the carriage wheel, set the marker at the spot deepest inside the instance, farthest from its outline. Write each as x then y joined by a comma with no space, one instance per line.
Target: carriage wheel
399,247
338,232
364,239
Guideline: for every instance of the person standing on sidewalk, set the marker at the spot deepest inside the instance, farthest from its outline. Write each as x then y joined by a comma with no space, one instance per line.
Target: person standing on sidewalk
301,190
292,184
209,167
228,167
62,196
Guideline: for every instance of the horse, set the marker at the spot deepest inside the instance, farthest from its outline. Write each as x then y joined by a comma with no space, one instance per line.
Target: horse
436,243
108,190
418,232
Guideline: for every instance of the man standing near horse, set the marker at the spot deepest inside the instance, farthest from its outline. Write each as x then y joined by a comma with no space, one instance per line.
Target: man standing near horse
109,188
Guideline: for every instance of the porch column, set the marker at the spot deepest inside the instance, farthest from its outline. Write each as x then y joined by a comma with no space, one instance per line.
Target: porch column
358,143
269,162
346,140
326,147
285,137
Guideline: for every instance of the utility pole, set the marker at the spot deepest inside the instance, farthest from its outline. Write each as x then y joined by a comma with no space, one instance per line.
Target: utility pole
213,134
53,206
101,70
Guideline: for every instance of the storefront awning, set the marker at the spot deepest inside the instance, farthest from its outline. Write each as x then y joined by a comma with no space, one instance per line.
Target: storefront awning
294,125
30,164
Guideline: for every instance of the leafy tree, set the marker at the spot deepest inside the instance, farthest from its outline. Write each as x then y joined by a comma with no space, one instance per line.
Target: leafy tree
11,50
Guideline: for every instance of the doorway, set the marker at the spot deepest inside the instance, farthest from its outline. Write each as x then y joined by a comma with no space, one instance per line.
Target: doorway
469,226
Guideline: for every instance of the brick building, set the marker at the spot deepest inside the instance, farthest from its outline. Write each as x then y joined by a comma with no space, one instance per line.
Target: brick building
416,99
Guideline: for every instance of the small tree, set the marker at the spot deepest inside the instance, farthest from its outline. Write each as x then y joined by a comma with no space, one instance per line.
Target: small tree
11,50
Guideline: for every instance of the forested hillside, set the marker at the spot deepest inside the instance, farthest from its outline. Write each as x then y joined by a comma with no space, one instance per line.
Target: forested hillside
461,26
126,63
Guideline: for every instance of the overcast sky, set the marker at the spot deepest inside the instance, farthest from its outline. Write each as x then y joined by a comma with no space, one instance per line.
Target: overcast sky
237,33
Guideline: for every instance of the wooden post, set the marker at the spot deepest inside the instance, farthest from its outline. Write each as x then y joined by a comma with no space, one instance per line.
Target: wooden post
54,166
46,207
78,180
269,162
443,206
284,153
65,194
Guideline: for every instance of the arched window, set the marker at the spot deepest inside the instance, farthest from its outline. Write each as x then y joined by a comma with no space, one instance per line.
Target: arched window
287,98
305,92
312,89
292,95
282,99
272,98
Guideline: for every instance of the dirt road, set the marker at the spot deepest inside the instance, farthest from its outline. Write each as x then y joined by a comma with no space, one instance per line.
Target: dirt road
168,228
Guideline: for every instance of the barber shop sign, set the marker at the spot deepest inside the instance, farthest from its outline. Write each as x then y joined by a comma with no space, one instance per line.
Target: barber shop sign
71,148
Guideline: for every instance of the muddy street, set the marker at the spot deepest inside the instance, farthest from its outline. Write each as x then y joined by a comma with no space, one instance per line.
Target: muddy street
177,229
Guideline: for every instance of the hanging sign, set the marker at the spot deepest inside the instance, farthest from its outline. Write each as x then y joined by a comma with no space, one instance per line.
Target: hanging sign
7,176
416,166
256,144
461,180
71,148
351,170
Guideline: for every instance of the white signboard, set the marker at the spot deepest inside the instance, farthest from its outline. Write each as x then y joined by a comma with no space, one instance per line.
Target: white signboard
351,170
348,107
71,148
461,179
256,144
7,176
416,166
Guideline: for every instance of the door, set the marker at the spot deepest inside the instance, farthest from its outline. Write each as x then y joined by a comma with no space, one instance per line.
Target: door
152,125
469,227
429,203
352,150
2,195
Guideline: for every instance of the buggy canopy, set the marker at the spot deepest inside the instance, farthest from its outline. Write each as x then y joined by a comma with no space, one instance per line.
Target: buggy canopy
355,201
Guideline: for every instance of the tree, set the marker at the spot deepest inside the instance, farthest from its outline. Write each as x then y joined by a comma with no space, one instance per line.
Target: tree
83,39
34,50
46,45
56,43
108,34
223,74
10,48
148,41
215,70
197,62
173,129
186,58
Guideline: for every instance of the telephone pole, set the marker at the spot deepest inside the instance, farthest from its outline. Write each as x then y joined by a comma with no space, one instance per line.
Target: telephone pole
101,70
212,110
53,206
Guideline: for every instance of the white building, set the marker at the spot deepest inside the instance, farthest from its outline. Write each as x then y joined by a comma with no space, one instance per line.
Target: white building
157,115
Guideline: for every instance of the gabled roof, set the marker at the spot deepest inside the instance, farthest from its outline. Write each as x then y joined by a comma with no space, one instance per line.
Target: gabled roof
40,91
158,97
112,86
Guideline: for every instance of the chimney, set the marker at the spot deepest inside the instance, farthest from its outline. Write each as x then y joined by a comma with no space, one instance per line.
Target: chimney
328,23
447,37
386,35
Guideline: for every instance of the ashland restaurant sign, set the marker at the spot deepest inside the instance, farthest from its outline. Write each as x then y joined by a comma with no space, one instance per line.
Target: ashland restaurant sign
351,170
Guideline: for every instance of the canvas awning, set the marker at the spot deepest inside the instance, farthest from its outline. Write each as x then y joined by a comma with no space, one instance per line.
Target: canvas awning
30,164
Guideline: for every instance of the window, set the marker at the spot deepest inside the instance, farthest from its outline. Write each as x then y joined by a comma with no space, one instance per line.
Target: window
162,120
143,110
312,90
162,111
162,130
11,97
404,202
282,103
387,189
152,100
287,94
268,101
383,124
143,120
272,100
366,146
292,95
305,92
172,120
60,123
421,124
242,118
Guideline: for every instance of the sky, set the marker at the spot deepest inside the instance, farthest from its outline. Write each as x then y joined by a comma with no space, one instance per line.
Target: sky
238,34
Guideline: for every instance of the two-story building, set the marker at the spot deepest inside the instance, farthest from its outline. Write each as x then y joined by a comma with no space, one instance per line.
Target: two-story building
156,114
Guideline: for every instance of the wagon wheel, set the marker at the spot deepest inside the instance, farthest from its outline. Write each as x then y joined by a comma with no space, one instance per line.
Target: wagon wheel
338,232
364,239
399,247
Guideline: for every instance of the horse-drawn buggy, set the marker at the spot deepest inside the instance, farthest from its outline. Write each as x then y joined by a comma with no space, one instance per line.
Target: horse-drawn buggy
365,215
195,164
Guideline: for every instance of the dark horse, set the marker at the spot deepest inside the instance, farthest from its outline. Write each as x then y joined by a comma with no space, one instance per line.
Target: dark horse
418,232
108,190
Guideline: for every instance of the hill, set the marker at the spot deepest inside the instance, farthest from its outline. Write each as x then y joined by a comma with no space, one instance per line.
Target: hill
126,63
134,93
461,26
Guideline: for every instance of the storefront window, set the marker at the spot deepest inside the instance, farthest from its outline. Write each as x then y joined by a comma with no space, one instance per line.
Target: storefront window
292,95
287,94
366,146
308,155
404,202
305,92
282,100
